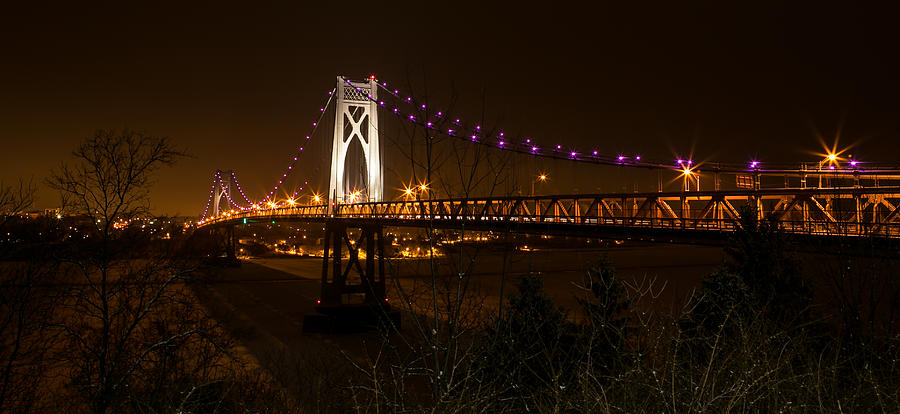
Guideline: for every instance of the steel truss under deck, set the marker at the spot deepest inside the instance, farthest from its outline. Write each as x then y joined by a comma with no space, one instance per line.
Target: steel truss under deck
818,211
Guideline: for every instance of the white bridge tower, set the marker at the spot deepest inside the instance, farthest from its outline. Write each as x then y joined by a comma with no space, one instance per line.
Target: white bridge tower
356,120
222,192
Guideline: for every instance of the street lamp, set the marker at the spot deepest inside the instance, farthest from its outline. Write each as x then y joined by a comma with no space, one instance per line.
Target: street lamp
688,175
831,159
542,178
408,193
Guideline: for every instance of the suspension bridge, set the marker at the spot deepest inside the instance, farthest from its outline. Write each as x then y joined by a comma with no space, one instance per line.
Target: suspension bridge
831,198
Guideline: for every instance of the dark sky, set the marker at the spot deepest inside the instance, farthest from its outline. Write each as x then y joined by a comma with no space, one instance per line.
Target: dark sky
237,83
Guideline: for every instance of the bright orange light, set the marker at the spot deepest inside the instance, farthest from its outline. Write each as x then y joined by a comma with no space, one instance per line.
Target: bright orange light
542,177
316,198
832,157
686,171
291,201
423,187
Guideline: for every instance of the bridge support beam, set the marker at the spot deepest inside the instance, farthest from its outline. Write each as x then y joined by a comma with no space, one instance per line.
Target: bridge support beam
353,289
224,242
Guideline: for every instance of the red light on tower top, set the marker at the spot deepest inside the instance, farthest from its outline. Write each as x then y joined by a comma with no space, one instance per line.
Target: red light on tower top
372,77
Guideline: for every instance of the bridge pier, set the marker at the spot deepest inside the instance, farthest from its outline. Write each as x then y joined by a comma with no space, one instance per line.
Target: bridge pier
353,291
225,242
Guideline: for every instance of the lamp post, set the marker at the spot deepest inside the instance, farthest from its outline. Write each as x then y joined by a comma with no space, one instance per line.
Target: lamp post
831,159
542,178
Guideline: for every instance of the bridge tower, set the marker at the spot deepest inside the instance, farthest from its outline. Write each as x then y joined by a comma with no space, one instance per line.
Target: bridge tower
222,190
356,121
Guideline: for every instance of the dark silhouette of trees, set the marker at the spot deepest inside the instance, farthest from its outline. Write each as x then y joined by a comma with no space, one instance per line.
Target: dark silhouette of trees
126,313
26,303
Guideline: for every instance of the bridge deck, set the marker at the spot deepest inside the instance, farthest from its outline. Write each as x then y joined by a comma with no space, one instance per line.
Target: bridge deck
837,212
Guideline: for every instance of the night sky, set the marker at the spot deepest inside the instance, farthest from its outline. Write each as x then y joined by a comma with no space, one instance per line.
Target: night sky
237,84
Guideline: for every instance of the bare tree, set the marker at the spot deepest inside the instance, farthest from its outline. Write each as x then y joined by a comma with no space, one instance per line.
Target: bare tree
112,175
25,309
15,198
443,313
126,312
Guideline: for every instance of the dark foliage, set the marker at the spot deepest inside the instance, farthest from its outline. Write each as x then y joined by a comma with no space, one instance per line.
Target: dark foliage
531,347
605,330
759,256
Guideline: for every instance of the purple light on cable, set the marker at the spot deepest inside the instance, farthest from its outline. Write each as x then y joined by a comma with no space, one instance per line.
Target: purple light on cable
679,161
330,93
428,124
830,167
572,154
559,147
478,127
440,113
690,162
408,99
595,153
412,118
423,106
384,84
637,157
315,123
396,91
450,131
381,103
754,164
321,109
474,137
527,140
395,110
621,157
307,137
533,149
501,143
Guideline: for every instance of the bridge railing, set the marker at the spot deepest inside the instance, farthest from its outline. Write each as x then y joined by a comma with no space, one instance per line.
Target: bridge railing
828,211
